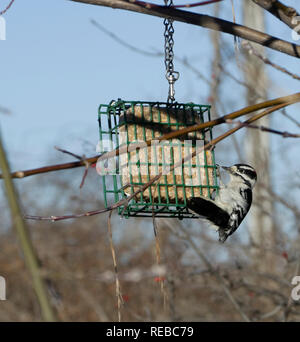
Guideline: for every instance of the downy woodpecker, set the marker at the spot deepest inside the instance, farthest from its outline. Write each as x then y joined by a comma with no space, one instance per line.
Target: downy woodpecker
230,206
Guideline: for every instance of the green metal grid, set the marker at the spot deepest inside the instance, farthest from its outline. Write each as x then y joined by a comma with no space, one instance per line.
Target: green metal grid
113,189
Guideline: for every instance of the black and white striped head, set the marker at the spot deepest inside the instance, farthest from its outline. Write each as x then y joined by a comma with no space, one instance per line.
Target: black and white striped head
243,172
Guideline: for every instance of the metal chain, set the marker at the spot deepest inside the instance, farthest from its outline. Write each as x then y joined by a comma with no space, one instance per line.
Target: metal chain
171,75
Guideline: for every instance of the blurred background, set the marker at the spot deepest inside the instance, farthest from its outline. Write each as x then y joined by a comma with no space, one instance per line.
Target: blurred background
59,62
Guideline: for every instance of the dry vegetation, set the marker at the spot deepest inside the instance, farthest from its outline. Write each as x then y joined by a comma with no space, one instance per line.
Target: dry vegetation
77,265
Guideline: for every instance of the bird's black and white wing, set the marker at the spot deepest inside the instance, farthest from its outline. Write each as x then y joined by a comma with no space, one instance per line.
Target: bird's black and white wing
209,210
227,223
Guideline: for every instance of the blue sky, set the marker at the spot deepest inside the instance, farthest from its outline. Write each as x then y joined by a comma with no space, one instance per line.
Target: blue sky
56,68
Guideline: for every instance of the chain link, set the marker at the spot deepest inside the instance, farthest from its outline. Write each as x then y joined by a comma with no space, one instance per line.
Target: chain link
171,75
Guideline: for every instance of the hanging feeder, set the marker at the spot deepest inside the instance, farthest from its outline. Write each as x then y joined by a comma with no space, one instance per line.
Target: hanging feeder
126,123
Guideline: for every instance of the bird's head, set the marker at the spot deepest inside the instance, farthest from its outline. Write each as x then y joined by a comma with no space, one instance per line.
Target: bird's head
242,172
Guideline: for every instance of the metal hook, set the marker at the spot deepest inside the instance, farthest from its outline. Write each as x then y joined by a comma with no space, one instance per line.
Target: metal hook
172,78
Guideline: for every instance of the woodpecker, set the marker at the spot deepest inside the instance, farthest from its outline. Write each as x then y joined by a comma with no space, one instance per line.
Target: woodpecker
228,209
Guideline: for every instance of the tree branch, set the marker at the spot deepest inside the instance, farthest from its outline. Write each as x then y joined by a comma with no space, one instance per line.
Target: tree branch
56,167
201,3
216,273
7,7
30,256
246,45
204,21
284,134
279,10
172,135
154,179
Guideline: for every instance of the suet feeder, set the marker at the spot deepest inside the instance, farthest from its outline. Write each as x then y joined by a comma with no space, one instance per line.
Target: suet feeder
187,170
126,123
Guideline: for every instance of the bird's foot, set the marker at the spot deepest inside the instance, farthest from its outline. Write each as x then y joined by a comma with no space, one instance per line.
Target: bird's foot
218,170
222,235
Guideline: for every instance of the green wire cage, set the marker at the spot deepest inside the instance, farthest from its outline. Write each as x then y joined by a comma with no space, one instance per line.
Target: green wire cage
126,123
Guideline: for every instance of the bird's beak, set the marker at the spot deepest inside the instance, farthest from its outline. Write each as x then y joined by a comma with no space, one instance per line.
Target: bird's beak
228,169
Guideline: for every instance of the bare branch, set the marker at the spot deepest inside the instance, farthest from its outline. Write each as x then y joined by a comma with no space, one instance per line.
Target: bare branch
279,10
83,159
196,4
204,21
215,272
68,152
235,79
51,168
254,52
7,7
201,3
30,255
113,253
291,206
4,110
123,42
156,53
266,129
285,100
284,113
84,177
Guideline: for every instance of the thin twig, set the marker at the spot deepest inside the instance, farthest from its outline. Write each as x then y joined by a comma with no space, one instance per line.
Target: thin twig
7,7
82,159
156,54
69,153
123,42
84,177
252,51
271,313
284,113
152,5
215,272
158,251
4,110
240,82
266,129
197,4
161,280
113,253
292,207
